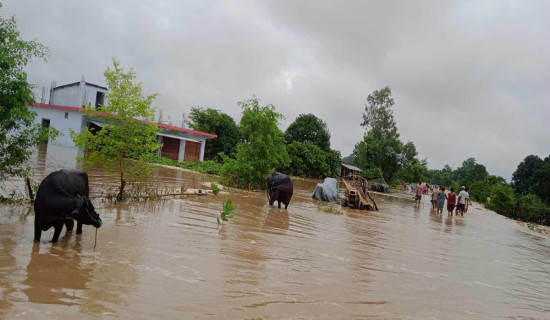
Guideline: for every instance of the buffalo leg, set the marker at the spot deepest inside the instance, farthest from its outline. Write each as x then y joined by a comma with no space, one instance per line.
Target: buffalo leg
37,230
279,202
79,228
69,223
58,225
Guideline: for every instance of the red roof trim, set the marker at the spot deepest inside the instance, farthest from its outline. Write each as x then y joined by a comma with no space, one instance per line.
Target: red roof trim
162,125
56,107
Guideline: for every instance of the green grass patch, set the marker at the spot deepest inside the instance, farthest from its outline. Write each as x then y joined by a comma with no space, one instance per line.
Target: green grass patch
328,209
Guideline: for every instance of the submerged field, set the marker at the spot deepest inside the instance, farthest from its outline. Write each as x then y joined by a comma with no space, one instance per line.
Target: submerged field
170,259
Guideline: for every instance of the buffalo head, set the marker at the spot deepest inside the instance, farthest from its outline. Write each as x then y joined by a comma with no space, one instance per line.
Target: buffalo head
85,213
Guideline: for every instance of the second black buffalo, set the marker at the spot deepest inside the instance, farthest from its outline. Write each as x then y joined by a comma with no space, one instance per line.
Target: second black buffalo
279,188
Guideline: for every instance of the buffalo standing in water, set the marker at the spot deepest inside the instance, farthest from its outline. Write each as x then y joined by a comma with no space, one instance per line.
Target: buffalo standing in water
62,197
279,188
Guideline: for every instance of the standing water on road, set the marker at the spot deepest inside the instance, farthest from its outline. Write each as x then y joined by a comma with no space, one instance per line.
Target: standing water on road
169,259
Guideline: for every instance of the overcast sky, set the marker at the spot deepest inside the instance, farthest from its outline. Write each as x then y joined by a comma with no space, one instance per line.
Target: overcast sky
469,78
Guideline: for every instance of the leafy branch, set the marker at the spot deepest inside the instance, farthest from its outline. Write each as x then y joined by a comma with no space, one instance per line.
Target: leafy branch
226,214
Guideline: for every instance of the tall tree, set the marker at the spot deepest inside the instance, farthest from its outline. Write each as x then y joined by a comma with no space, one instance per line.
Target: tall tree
308,145
261,150
306,160
18,133
381,147
469,172
412,171
541,179
213,121
307,128
409,152
122,135
523,179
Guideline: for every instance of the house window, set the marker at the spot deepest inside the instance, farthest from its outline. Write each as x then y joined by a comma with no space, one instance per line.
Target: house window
99,99
45,123
66,115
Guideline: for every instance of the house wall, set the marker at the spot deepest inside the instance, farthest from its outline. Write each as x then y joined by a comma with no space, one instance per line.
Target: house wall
66,96
57,120
89,94
76,95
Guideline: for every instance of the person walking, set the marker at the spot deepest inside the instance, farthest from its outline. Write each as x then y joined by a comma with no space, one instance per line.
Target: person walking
419,190
435,193
461,206
451,202
441,197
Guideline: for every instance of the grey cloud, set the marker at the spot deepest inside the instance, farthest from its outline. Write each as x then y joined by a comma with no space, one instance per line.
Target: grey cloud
469,78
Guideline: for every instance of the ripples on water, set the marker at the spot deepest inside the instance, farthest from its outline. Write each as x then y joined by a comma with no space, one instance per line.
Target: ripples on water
169,259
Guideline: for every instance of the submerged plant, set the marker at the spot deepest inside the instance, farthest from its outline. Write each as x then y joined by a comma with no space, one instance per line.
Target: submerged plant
226,214
215,188
328,209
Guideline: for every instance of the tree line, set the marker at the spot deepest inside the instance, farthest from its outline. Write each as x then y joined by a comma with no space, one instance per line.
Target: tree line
526,198
255,146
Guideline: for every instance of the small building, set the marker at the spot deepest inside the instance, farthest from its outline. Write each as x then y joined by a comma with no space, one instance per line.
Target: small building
347,170
77,94
65,112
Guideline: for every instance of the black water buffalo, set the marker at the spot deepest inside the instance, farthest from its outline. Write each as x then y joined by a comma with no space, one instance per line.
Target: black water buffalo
62,197
279,188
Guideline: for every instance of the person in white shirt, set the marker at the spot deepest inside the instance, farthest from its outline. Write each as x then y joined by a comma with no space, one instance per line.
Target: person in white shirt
461,201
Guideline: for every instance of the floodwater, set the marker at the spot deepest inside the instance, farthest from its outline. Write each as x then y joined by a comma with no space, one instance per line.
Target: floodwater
170,260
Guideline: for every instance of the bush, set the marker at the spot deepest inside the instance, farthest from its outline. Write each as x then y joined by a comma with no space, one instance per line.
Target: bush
503,201
372,174
235,174
533,209
215,188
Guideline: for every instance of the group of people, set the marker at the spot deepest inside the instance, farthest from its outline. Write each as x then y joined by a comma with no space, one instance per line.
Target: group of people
459,202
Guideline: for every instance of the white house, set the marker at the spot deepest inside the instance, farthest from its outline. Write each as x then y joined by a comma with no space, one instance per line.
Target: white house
64,112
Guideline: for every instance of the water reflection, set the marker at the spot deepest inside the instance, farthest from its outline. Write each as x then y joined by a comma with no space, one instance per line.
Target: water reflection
7,268
57,276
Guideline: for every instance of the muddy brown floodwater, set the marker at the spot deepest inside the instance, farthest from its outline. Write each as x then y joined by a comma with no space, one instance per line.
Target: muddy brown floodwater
170,260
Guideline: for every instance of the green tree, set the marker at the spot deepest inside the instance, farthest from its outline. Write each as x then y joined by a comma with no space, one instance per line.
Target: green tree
349,159
306,160
381,147
333,162
523,179
308,145
408,153
412,171
541,178
469,172
307,128
18,132
216,122
261,150
504,200
122,135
